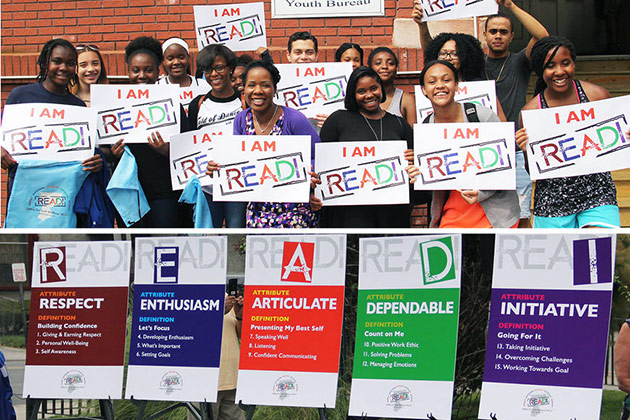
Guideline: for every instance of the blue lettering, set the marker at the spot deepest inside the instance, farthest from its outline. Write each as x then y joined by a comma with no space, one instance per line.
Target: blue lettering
564,150
33,136
121,120
246,175
300,96
453,162
346,180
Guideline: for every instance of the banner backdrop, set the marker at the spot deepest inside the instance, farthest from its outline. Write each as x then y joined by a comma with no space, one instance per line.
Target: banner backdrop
407,317
262,168
315,88
292,320
578,139
48,132
373,173
178,306
240,27
133,112
453,9
482,93
76,338
465,156
549,293
190,153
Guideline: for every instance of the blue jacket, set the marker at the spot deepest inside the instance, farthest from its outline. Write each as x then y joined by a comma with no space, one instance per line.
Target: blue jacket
93,207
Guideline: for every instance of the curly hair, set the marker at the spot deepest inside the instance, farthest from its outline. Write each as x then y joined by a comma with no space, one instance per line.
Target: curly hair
44,57
538,57
146,45
265,64
469,52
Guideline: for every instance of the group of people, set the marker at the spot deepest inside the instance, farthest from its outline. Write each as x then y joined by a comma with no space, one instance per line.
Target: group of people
242,90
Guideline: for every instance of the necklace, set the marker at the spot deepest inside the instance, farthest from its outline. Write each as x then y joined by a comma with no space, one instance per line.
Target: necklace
270,121
500,71
370,125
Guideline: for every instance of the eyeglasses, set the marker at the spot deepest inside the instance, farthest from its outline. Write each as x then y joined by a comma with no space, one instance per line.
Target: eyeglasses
92,47
494,31
443,55
218,69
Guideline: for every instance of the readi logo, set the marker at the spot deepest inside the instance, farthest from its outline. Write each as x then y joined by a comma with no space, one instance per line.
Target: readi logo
399,397
538,401
166,264
592,261
72,380
49,201
437,260
297,261
171,381
52,264
285,386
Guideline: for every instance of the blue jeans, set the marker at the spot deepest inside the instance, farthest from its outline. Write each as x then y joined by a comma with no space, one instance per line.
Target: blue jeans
232,212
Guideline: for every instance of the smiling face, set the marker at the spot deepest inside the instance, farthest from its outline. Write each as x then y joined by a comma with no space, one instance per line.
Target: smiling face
143,70
368,95
351,55
89,67
61,68
259,90
384,64
218,76
558,73
237,78
302,51
448,52
176,61
498,35
439,85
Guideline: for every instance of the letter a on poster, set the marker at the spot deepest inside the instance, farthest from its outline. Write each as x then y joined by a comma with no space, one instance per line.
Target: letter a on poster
179,294
548,293
407,317
76,340
291,338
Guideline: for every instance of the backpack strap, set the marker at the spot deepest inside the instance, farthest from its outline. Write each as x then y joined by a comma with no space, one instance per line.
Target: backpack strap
471,112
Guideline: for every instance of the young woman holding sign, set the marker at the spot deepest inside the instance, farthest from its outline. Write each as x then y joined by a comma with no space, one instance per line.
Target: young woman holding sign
577,201
364,119
264,117
463,208
398,102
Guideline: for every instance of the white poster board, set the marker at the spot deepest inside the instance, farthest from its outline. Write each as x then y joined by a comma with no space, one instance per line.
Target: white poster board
454,9
482,93
177,319
133,112
465,156
326,8
188,93
262,168
48,132
578,139
238,26
76,341
355,173
315,88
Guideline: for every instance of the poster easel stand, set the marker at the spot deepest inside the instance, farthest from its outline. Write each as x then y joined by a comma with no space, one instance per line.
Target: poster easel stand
106,406
493,416
323,414
248,409
199,414
430,416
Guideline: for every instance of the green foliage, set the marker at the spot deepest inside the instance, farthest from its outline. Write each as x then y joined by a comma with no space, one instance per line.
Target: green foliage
16,341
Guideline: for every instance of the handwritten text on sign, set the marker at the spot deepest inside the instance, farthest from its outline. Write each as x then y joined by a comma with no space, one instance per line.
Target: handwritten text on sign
132,112
313,89
578,139
190,153
455,9
240,27
47,131
369,173
263,168
482,93
465,156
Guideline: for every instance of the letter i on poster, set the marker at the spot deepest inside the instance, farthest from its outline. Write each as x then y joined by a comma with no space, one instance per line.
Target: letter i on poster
292,320
407,320
76,339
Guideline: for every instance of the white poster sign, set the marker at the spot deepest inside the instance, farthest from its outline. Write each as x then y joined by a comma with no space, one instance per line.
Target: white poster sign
76,342
578,139
292,320
133,112
369,172
454,9
262,168
188,93
316,88
465,156
238,26
482,93
177,319
49,132
326,8
190,153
